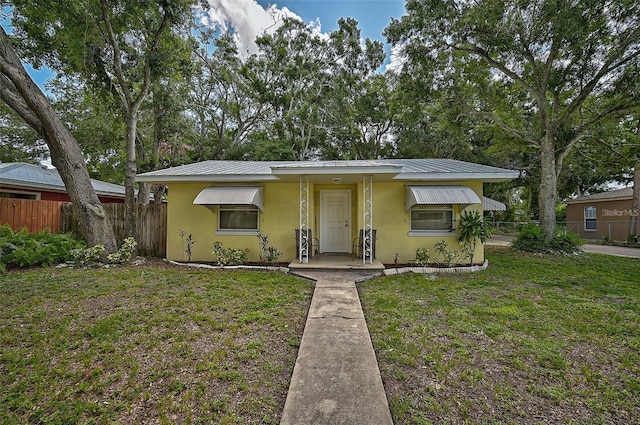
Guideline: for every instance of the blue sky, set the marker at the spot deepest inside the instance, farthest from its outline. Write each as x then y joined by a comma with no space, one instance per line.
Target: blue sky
372,15
251,17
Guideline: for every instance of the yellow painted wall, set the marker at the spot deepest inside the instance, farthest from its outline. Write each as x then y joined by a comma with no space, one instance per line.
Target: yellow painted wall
392,222
280,218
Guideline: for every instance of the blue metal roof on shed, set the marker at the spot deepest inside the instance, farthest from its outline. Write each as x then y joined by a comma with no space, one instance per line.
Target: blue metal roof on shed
39,177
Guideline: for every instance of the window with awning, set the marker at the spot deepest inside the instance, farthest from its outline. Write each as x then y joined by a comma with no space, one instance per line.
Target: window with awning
432,207
431,218
489,204
231,195
440,195
238,218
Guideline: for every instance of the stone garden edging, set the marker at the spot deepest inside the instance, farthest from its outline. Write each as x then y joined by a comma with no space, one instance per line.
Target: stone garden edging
385,272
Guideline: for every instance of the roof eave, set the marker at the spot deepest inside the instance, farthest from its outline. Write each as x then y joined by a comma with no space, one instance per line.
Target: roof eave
227,178
52,188
586,201
210,178
485,177
32,186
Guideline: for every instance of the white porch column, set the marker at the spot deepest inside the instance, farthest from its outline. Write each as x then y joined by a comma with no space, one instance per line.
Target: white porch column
367,237
303,242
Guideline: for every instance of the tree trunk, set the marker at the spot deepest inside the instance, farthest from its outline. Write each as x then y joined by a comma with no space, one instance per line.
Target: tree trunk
130,175
634,224
144,193
20,93
635,203
158,192
548,196
144,189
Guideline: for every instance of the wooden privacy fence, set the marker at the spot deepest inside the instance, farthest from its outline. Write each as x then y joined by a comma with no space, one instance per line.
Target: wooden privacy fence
31,214
58,216
151,226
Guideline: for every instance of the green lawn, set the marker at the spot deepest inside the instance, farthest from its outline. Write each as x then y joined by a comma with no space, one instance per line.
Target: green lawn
148,344
531,340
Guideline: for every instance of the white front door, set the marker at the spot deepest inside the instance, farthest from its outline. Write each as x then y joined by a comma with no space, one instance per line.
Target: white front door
335,221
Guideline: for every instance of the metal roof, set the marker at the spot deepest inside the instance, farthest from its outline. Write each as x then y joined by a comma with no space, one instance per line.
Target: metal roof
626,192
232,195
433,169
440,195
38,177
489,204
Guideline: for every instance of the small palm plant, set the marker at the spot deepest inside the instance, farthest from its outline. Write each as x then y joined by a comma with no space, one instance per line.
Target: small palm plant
473,228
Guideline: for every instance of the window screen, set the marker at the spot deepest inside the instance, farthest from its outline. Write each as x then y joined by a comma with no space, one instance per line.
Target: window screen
590,218
238,217
432,217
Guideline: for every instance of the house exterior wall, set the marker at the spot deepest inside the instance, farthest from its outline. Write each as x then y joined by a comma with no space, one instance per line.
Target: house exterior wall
281,217
612,219
393,223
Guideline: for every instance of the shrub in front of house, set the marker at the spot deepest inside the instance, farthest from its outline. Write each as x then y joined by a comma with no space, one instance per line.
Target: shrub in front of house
532,239
566,241
124,253
422,258
91,256
229,256
268,253
444,256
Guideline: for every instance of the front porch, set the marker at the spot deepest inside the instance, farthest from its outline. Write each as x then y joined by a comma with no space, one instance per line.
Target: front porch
334,261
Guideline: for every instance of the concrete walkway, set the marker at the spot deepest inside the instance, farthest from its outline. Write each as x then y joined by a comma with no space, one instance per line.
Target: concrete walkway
336,379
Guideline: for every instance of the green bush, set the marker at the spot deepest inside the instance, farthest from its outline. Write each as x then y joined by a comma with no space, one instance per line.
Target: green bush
268,253
422,258
448,255
87,256
229,256
472,228
23,249
125,252
566,241
91,256
532,239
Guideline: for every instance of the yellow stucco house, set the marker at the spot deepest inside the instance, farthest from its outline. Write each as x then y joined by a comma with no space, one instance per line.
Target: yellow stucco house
369,209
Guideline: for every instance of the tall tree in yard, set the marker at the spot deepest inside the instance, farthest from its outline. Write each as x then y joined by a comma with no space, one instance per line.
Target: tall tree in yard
96,122
324,97
21,93
634,227
18,141
358,108
119,46
226,101
546,73
294,61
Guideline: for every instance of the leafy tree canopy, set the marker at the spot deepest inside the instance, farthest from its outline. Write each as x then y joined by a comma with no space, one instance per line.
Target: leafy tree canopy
545,73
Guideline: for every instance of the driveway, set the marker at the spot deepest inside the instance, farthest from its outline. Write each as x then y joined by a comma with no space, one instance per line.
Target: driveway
619,251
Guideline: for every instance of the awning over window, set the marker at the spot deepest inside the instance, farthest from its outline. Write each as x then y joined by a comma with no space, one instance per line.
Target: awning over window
440,195
230,195
489,204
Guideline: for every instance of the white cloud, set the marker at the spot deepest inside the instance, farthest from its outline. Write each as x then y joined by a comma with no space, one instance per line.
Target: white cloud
397,60
248,19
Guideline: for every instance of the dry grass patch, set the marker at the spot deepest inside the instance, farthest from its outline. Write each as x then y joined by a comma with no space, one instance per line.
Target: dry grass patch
148,344
531,340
